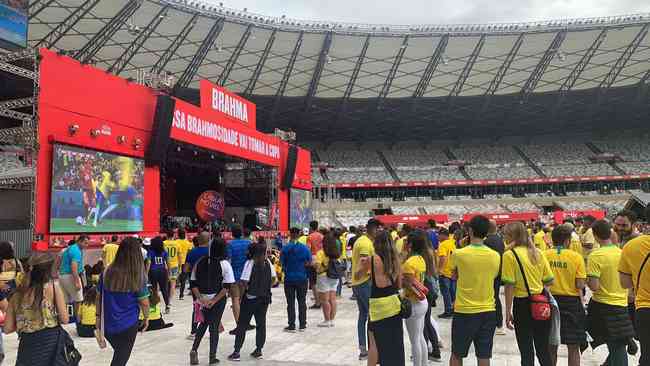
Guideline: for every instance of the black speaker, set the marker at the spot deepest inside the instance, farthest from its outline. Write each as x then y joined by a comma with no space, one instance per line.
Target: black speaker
290,171
156,153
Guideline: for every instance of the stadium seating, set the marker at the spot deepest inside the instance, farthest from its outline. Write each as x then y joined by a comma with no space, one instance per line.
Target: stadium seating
578,170
486,154
501,172
629,148
404,210
352,217
12,167
635,167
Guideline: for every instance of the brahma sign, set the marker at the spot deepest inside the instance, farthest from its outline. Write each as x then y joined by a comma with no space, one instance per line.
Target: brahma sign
228,104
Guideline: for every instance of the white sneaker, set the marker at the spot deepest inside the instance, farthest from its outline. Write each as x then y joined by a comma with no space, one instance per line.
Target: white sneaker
190,337
331,323
324,324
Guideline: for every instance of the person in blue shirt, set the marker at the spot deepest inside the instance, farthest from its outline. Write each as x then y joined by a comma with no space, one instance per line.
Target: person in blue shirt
295,258
71,272
158,269
201,250
432,233
237,252
123,292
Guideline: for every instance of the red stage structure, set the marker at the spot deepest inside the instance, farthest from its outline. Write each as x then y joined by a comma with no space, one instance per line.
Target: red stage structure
83,106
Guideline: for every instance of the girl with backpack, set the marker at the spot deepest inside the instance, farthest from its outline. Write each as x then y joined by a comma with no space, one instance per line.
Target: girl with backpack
329,270
256,280
210,281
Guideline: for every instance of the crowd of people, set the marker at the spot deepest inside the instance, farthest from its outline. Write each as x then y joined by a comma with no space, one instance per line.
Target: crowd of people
396,276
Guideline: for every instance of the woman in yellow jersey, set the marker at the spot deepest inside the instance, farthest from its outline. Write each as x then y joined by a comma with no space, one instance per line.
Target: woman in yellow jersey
608,320
184,247
88,314
156,321
420,263
570,276
325,284
385,331
532,335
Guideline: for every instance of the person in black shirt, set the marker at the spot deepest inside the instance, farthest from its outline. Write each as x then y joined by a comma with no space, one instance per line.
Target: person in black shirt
495,242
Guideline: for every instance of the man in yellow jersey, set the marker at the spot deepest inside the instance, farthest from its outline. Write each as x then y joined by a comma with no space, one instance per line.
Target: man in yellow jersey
171,246
538,238
570,276
587,239
106,186
126,168
608,320
399,243
361,253
184,247
477,268
445,273
109,251
634,272
304,237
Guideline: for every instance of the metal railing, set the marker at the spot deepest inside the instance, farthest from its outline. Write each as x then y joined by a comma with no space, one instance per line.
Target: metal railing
216,9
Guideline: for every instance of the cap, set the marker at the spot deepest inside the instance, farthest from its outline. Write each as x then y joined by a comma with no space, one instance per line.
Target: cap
146,241
305,231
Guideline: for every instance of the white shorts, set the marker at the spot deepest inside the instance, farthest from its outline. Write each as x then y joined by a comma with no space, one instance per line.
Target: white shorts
326,284
70,291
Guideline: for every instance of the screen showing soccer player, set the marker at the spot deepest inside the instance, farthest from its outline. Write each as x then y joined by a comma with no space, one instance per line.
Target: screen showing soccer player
300,208
13,23
94,191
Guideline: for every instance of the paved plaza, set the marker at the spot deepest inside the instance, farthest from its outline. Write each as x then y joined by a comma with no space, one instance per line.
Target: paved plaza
317,346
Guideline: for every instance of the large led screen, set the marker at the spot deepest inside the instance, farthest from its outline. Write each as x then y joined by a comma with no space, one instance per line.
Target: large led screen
94,191
300,210
13,23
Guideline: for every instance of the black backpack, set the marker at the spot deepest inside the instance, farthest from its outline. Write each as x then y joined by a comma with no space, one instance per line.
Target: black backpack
209,277
335,269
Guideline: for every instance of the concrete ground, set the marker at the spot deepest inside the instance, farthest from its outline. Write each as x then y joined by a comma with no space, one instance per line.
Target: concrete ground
317,346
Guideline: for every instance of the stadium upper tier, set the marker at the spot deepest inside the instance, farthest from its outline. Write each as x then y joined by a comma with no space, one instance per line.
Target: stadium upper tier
528,158
315,76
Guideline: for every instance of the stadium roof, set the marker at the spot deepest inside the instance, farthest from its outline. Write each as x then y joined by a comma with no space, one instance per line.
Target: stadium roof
317,77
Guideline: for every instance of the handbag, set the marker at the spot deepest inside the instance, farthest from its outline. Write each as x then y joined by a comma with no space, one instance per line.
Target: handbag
406,308
419,290
540,305
64,345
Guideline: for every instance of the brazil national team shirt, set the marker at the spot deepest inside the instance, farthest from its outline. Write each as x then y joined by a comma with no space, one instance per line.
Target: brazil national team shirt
567,267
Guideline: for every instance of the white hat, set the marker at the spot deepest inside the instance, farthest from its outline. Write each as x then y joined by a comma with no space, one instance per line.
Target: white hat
305,231
146,241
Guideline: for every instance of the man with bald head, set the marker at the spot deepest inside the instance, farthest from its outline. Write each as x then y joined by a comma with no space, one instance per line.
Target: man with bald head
201,250
495,242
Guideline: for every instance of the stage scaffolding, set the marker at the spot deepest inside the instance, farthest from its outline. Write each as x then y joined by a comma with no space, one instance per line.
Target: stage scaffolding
19,125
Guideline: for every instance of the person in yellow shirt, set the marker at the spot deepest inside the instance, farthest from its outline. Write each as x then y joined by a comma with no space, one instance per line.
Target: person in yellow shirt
419,265
634,272
532,335
156,321
538,238
475,320
325,285
171,246
362,251
399,242
608,319
109,251
445,273
88,314
570,276
184,247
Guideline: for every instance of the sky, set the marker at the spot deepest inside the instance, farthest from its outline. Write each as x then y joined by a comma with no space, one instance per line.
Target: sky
438,11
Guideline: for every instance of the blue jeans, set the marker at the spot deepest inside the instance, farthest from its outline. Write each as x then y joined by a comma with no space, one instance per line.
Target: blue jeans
448,291
362,294
339,287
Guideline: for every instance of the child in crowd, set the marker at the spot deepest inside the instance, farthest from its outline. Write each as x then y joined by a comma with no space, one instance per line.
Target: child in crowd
88,314
156,321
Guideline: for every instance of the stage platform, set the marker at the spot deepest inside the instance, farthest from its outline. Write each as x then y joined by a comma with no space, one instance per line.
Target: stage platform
317,346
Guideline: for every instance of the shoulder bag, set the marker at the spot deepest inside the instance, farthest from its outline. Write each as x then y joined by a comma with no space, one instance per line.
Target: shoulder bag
638,279
540,305
65,345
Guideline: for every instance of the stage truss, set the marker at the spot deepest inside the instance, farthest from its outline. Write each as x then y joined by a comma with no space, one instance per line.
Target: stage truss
19,120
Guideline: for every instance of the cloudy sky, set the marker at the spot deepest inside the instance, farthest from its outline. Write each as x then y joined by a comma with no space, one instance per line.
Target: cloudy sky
439,11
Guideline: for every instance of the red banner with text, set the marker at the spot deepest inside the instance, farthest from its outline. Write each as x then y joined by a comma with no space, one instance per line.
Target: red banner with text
504,218
212,131
559,216
411,219
228,104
